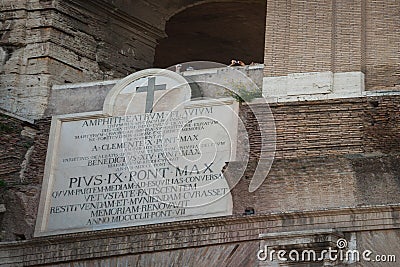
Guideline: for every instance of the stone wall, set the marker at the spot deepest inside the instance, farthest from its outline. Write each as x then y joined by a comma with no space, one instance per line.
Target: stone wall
18,192
316,183
330,154
237,254
43,43
333,153
55,42
15,144
232,241
358,169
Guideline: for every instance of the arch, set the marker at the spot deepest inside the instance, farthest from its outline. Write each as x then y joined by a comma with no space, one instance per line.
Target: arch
182,5
214,31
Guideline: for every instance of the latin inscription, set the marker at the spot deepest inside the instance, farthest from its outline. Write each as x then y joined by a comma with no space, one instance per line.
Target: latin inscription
140,169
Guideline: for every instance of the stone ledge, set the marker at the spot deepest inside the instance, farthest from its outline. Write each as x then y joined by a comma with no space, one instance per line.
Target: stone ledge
313,86
87,97
366,96
178,235
82,97
292,234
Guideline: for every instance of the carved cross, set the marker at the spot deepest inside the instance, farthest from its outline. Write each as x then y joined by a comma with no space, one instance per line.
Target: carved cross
150,89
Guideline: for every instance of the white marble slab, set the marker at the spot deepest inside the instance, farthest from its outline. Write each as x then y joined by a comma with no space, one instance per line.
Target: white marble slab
123,167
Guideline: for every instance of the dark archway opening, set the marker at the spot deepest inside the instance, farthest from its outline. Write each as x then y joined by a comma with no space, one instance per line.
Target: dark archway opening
215,32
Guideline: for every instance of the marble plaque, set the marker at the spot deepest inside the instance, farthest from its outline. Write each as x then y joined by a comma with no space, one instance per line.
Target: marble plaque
144,159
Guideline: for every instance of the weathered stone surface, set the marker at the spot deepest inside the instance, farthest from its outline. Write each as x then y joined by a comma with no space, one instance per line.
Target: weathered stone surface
377,179
313,86
381,243
19,202
312,143
211,83
194,237
33,173
224,255
330,153
57,42
21,209
84,97
221,81
84,45
13,149
313,183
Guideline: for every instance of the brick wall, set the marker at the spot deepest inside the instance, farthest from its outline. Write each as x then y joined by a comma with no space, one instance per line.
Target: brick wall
382,44
55,42
335,35
299,184
298,36
316,183
348,41
381,120
332,153
330,127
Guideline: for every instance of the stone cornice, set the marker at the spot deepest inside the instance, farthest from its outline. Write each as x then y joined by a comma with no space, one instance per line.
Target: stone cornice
177,235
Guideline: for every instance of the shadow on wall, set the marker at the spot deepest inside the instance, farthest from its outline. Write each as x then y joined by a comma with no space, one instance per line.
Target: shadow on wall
214,32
